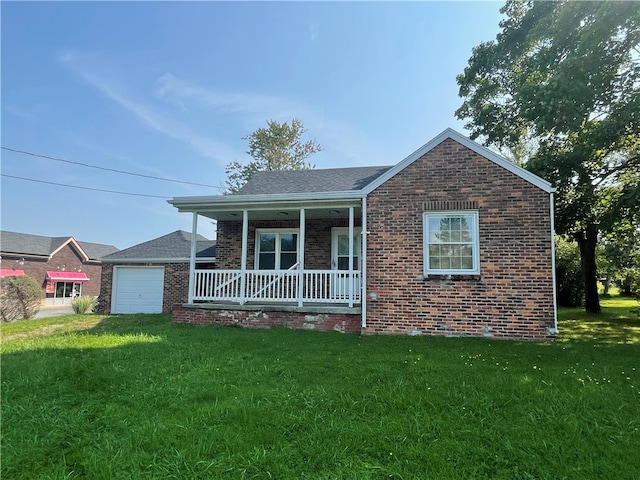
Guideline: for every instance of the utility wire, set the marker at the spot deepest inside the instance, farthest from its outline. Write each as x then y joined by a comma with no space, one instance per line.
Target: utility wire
106,169
82,188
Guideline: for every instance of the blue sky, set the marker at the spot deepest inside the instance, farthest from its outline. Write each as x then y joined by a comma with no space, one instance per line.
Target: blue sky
169,89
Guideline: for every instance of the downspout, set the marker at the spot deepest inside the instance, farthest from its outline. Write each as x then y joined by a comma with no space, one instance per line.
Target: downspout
192,259
553,263
363,264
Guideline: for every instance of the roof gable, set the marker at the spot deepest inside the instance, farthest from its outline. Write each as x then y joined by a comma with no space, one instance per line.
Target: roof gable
470,144
37,245
280,189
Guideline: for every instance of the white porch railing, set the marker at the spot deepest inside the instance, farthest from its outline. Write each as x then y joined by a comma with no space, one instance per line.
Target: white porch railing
319,286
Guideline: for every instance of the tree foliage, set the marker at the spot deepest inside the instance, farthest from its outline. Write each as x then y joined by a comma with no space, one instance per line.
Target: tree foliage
20,298
564,77
619,257
569,289
277,147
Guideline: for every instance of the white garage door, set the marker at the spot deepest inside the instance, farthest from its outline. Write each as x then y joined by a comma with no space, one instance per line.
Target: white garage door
137,289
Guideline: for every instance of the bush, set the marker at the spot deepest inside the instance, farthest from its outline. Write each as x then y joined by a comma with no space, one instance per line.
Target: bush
569,281
20,298
83,304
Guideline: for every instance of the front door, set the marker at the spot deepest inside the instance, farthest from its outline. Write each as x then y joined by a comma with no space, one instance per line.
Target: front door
340,261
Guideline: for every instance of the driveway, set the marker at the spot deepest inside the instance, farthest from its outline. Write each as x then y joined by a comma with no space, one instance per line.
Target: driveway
54,311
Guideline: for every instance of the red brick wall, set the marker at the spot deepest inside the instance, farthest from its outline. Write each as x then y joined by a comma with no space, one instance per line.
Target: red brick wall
317,254
68,258
106,285
176,284
513,295
326,322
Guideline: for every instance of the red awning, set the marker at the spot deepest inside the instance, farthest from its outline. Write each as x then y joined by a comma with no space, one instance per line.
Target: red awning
10,272
67,276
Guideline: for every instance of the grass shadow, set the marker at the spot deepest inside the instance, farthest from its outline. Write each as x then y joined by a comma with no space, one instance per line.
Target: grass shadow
617,323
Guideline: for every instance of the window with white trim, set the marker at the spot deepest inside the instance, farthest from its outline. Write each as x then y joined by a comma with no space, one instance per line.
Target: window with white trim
276,249
451,243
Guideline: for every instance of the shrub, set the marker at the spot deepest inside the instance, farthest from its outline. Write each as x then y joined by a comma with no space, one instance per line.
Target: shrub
569,281
83,304
20,298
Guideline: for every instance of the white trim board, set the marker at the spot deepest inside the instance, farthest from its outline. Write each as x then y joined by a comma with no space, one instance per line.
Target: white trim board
470,144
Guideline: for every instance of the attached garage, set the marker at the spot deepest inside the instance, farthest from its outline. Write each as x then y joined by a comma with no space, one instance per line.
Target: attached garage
137,289
153,276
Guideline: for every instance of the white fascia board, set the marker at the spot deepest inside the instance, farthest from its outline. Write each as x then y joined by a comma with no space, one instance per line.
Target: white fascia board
157,260
71,241
470,144
188,204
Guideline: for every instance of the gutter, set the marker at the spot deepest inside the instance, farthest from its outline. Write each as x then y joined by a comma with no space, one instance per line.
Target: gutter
249,200
157,260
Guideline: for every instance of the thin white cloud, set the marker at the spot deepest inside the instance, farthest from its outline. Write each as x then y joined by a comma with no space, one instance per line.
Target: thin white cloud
341,141
172,89
150,116
343,144
19,112
313,32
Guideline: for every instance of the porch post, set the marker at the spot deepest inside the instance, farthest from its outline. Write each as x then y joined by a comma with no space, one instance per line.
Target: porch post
363,263
301,257
243,259
350,256
192,259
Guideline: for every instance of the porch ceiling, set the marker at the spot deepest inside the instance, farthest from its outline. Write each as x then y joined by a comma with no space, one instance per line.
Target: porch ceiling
283,213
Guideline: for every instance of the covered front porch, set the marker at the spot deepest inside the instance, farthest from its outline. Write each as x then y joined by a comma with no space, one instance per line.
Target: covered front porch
294,286
294,255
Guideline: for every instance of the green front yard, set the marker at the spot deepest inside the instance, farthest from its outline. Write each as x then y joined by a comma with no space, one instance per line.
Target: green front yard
109,397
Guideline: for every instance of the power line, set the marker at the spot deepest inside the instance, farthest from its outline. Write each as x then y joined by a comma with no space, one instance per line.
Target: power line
107,169
82,188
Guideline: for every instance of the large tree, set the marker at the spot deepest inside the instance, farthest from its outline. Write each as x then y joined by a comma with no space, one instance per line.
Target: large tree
277,147
564,76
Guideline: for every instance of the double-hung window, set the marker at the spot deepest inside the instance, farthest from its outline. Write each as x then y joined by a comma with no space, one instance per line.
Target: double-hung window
276,249
451,244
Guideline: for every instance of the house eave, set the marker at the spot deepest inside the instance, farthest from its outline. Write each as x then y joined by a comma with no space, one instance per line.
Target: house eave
157,260
225,202
470,144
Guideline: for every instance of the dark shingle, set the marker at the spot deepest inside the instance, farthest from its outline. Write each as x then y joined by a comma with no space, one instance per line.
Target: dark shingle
173,245
307,181
27,244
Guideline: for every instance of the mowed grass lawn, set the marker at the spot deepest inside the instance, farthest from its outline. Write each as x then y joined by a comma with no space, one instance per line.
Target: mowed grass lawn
139,397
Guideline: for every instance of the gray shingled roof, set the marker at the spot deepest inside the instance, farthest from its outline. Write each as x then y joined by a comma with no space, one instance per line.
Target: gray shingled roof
306,181
175,245
27,244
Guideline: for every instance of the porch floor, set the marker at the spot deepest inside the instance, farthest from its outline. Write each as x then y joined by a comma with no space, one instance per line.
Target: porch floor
324,307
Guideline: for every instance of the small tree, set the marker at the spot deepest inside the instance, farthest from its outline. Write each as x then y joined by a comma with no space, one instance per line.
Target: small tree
277,147
20,298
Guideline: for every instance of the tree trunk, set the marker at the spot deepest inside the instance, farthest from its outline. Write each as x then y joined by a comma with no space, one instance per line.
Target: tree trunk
587,241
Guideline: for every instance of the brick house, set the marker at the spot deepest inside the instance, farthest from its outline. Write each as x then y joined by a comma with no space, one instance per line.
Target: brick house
65,267
453,240
153,276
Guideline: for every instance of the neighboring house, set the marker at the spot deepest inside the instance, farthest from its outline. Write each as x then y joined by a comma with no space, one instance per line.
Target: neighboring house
65,267
453,240
153,276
